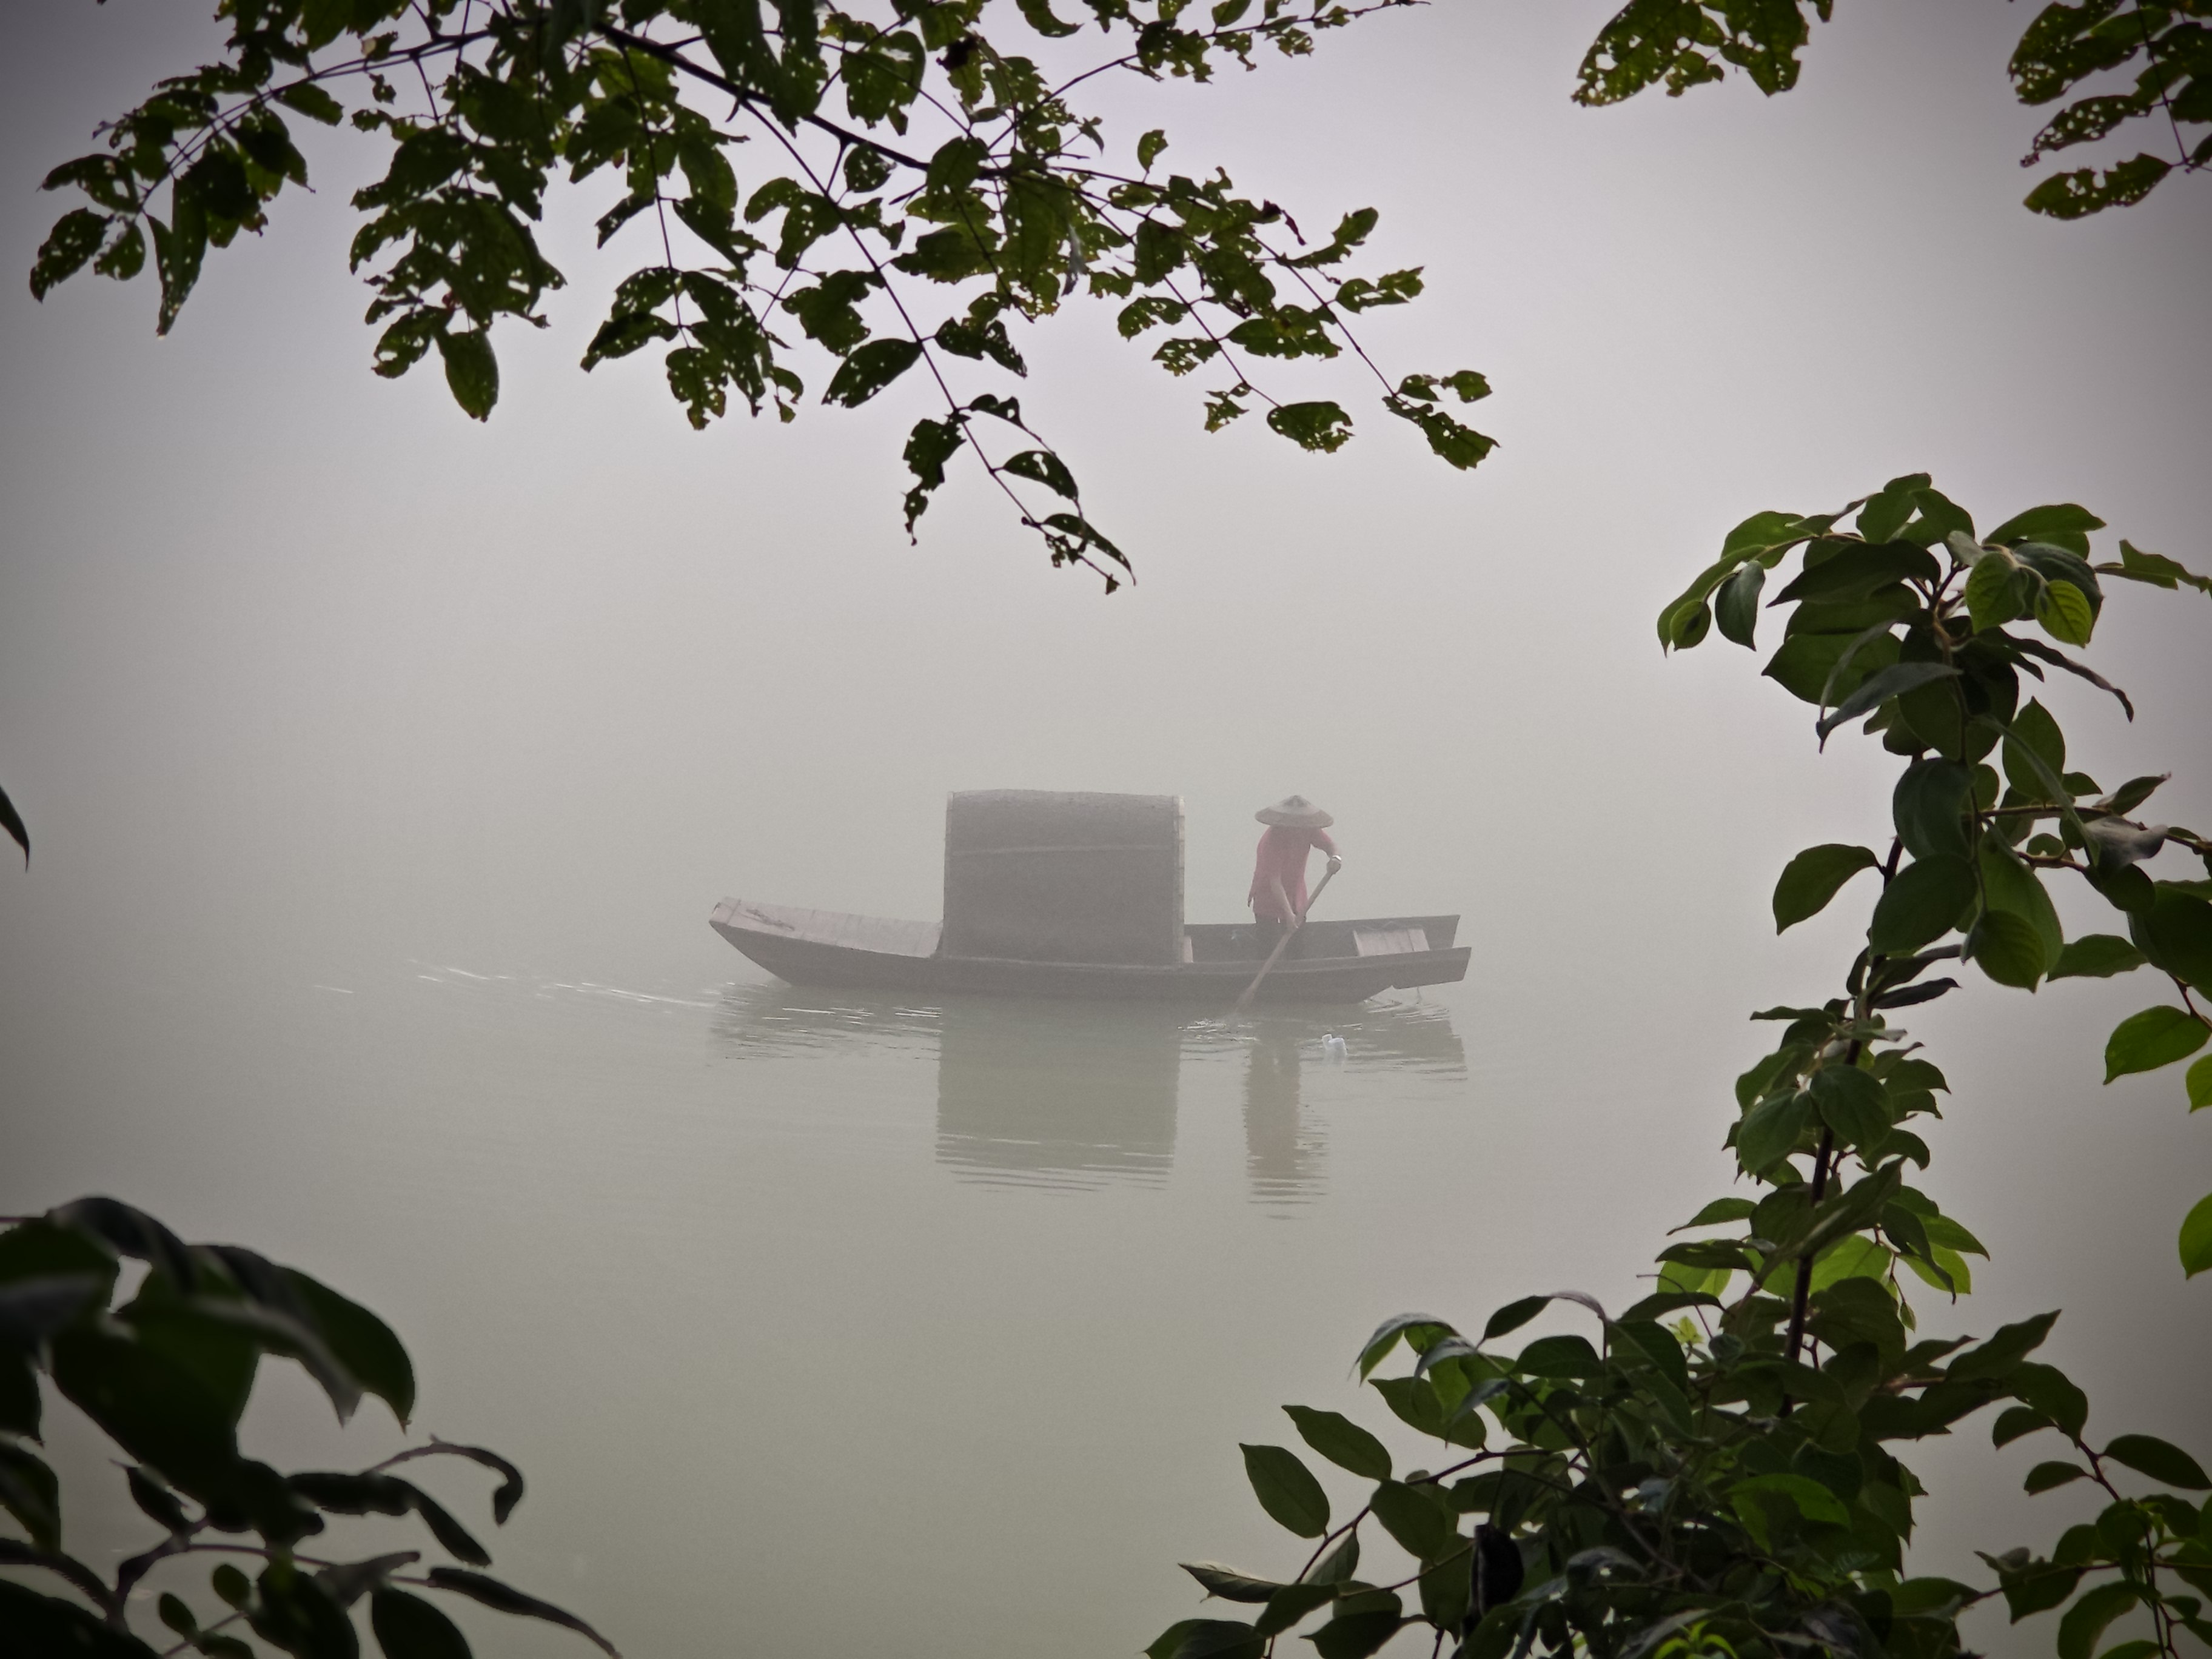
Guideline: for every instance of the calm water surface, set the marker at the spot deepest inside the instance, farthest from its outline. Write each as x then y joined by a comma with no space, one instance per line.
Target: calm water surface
820,1322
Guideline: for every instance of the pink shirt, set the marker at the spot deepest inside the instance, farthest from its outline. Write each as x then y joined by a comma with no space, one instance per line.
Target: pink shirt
1283,859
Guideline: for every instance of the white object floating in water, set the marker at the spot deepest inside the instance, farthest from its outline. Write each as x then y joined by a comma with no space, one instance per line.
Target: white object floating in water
1334,1047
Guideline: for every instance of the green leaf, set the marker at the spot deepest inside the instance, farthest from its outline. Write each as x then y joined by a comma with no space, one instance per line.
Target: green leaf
33,1309
2015,1421
1342,1440
13,824
1923,903
1356,1635
503,1598
1513,1316
1719,1211
1291,1603
2007,948
471,371
868,369
1928,806
1416,1517
1886,512
1770,1130
1230,1584
156,1501
1339,1564
1038,15
1735,608
1939,518
2154,569
1856,570
2086,1619
2044,1476
2175,932
1321,426
1043,466
2199,1083
28,1488
2010,885
2196,1241
2133,793
1149,149
2002,1353
1761,536
1286,1490
366,1346
2063,610
2155,1037
2035,1587
2096,955
1811,1499
408,1627
2084,191
2032,729
1206,1638
1411,1326
36,1625
1447,1589
2062,524
177,1616
1853,1103
1813,878
1998,591
294,1612
312,102
1895,680
2051,1392
76,237
2160,1460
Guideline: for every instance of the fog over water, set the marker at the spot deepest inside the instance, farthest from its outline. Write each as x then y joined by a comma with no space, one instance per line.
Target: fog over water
382,769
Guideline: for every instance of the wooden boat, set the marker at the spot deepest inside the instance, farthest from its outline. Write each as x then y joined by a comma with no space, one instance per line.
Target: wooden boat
1328,961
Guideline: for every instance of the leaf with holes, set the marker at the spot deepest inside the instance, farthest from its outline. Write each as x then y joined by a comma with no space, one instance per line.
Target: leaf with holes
868,369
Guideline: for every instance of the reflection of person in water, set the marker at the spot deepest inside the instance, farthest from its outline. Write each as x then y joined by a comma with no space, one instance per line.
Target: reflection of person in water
1282,1159
1296,827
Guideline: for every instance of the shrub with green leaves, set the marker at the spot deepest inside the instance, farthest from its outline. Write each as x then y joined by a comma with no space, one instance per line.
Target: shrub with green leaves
877,191
1719,1469
164,1366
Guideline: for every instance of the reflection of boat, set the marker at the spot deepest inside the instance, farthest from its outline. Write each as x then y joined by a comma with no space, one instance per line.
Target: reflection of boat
1081,896
1327,961
1059,1095
1070,1095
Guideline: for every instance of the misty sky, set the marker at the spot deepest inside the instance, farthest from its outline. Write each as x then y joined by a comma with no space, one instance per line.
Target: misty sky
300,670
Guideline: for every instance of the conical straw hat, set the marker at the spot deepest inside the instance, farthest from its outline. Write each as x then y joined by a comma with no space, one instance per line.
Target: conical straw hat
1295,812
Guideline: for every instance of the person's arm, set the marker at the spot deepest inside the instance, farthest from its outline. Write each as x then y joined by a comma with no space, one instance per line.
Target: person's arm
1335,858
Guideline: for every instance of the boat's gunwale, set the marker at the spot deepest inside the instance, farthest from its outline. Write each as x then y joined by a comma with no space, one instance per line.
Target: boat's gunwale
792,957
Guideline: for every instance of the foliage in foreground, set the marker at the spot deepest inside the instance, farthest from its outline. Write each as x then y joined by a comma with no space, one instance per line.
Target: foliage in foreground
916,181
166,1373
1680,44
1719,1474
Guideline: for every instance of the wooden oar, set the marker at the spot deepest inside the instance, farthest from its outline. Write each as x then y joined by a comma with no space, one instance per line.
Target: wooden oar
1275,956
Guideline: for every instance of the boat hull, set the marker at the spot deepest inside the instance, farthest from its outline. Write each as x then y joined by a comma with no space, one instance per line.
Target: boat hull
1324,965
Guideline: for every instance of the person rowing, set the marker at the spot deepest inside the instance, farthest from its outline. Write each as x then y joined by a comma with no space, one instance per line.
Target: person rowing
1296,828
